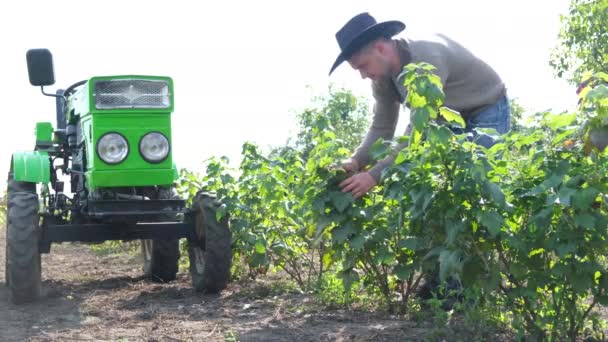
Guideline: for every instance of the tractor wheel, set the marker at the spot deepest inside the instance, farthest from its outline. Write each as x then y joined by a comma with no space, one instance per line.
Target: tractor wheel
23,234
211,254
6,257
161,257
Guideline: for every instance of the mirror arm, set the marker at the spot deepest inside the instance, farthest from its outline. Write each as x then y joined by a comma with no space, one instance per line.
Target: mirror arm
52,95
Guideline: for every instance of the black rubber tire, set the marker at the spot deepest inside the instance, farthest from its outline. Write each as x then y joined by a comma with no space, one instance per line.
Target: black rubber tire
23,269
6,255
211,255
6,240
161,257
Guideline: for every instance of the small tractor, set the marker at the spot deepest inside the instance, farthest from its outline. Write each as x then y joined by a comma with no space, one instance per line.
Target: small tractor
112,145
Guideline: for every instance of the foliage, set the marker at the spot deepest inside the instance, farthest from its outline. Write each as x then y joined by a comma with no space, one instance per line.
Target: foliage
519,225
517,116
582,42
342,110
269,196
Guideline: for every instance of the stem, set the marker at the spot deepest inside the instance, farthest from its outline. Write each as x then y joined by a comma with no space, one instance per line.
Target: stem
411,286
529,313
371,268
579,326
572,332
321,252
293,274
558,309
528,316
406,289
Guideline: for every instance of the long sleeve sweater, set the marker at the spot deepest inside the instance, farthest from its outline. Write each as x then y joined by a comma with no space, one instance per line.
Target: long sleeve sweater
469,85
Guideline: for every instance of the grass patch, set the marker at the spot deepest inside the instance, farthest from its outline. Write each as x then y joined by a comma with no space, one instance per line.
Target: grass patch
116,248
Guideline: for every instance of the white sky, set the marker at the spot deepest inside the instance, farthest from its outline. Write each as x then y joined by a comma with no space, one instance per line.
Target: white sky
241,68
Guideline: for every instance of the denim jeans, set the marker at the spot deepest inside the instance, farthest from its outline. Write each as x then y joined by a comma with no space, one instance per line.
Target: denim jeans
497,116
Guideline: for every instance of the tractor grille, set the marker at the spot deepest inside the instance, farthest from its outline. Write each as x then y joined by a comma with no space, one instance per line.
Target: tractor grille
131,93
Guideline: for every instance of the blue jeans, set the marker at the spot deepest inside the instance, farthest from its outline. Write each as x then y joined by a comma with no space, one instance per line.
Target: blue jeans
497,116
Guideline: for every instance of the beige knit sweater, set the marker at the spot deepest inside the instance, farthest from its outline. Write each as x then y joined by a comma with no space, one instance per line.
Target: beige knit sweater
469,84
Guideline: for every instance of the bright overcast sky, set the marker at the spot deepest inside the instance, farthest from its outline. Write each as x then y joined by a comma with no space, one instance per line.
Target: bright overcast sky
241,68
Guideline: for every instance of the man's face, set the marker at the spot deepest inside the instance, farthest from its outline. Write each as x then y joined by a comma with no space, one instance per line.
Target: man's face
371,63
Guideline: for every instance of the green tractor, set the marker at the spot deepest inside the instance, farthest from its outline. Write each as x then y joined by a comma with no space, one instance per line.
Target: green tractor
112,144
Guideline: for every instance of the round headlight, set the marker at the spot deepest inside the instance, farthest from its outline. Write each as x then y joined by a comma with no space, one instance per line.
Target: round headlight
112,148
154,147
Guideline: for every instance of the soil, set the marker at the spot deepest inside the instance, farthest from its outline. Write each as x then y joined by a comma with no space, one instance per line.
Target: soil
88,297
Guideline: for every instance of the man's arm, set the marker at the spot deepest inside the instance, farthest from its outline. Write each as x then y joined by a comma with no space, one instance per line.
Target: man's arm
386,111
376,170
438,60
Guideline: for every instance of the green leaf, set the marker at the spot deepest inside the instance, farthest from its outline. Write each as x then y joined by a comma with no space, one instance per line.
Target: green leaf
584,221
565,195
420,117
434,252
517,270
357,243
564,249
453,230
341,200
581,284
349,277
543,217
327,259
452,116
412,243
441,135
494,192
450,264
536,251
403,272
416,100
379,149
341,233
598,93
471,271
322,223
555,121
602,299
559,270
434,94
260,248
493,282
401,157
584,198
318,204
492,220
384,256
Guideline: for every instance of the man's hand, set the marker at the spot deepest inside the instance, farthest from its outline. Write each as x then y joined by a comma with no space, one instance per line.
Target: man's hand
351,166
358,184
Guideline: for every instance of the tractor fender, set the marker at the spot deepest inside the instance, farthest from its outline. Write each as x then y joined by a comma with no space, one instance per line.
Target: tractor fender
31,166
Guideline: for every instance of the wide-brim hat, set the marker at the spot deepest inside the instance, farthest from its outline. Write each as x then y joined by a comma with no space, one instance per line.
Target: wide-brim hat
361,30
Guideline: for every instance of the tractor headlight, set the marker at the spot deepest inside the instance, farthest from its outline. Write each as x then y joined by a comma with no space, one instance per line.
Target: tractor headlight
112,148
154,147
131,93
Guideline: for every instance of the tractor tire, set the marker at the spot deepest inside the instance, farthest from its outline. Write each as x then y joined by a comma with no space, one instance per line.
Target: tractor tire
161,257
6,256
211,254
23,269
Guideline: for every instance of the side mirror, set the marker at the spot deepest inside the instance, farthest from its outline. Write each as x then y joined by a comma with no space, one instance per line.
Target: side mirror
40,67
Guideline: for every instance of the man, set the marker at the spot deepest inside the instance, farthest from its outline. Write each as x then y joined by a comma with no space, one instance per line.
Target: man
471,86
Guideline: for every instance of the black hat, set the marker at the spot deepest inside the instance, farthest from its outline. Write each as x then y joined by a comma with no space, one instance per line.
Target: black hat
360,30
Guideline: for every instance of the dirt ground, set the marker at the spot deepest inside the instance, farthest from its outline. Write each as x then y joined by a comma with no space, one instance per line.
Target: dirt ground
105,298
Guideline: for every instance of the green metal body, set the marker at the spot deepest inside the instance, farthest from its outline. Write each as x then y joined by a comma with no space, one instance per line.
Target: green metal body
133,124
44,133
31,166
